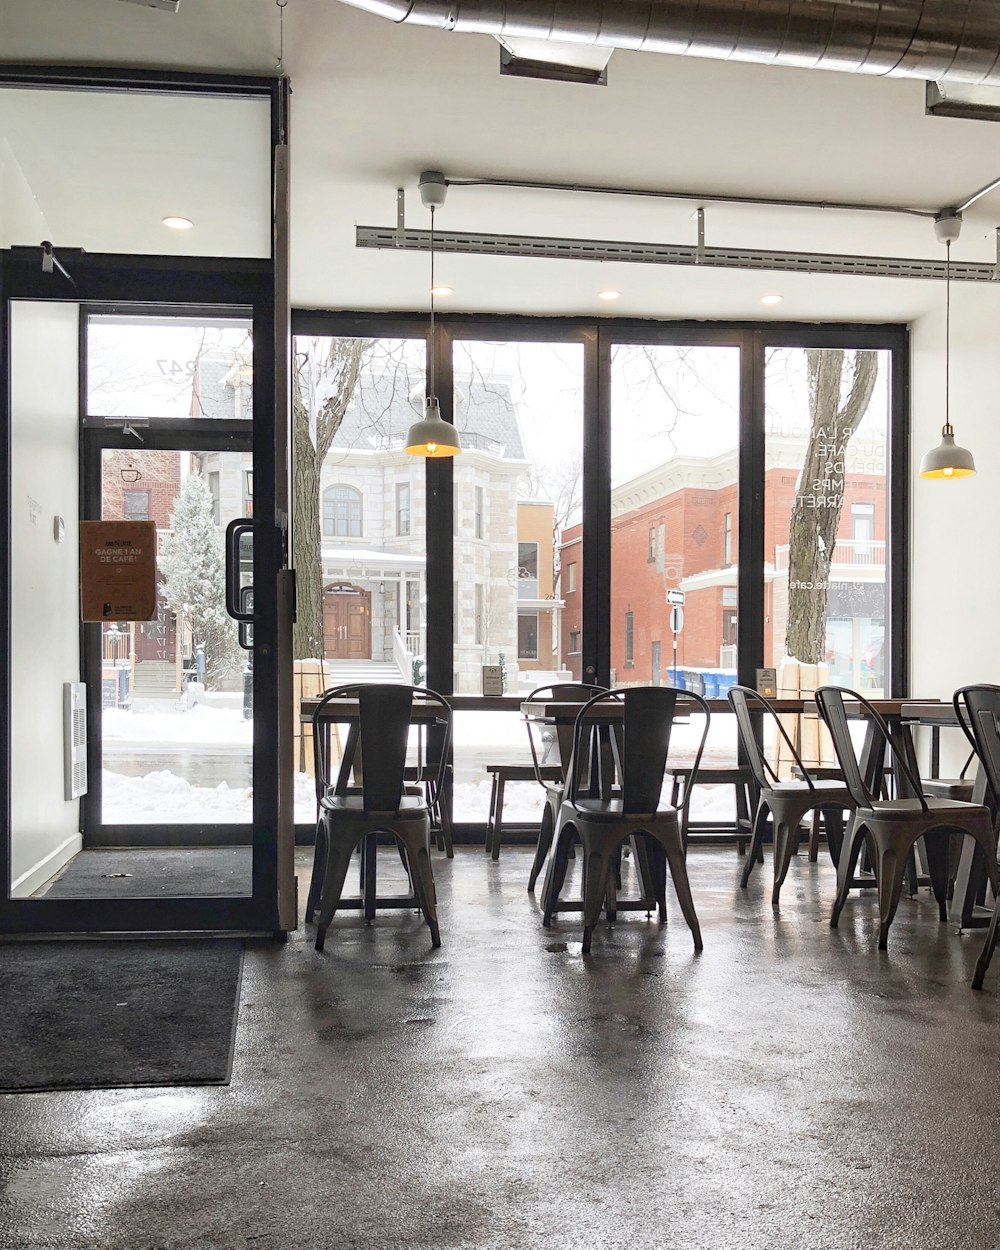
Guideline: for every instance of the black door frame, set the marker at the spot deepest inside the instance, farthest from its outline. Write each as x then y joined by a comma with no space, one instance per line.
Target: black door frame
126,283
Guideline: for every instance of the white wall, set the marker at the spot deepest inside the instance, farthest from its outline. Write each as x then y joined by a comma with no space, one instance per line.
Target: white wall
45,600
955,532
21,220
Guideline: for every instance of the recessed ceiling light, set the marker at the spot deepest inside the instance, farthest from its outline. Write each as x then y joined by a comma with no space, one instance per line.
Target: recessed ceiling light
442,290
771,299
609,295
178,223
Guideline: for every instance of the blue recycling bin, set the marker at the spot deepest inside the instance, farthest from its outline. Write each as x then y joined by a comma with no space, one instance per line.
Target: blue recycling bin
694,682
676,677
711,684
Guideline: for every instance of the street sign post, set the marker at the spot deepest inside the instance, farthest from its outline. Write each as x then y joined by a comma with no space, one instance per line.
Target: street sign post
675,598
676,622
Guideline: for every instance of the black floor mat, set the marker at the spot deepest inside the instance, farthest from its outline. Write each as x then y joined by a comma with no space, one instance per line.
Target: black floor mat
96,1015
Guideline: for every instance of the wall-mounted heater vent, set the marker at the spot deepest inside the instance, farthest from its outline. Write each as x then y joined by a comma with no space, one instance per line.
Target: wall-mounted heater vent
75,738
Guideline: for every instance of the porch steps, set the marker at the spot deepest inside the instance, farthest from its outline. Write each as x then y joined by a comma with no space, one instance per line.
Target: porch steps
154,679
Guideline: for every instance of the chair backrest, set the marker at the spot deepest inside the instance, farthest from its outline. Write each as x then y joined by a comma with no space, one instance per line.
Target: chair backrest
830,701
978,712
561,692
641,718
380,728
741,697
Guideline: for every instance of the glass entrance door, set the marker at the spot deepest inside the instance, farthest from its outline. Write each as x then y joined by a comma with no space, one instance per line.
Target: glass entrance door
174,739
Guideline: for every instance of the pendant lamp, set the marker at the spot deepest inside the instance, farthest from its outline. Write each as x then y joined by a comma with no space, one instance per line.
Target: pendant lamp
947,460
432,436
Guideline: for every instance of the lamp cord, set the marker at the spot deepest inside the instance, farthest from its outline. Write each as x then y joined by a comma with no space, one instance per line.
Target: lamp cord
947,339
433,344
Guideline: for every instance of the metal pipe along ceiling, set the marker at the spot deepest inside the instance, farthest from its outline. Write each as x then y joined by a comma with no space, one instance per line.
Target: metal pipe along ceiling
932,39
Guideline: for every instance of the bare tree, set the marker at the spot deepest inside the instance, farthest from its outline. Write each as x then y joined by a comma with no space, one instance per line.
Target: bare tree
324,381
837,405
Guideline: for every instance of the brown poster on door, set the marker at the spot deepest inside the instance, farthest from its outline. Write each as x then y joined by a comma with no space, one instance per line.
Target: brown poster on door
117,570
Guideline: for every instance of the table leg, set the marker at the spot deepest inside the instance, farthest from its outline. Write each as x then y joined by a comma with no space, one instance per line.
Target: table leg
971,878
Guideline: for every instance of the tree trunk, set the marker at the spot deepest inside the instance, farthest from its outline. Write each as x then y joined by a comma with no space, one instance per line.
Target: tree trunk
308,633
819,497
333,368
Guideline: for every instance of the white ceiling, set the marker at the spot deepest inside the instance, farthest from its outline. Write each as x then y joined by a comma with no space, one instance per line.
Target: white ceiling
374,104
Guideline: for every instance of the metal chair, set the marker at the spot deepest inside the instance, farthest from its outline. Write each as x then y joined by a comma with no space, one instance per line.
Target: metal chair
352,816
554,786
891,827
978,712
627,804
787,802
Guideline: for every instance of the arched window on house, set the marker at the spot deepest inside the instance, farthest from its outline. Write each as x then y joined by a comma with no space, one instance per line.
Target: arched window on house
342,512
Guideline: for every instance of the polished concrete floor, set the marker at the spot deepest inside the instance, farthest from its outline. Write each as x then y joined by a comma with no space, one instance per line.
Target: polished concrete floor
789,1087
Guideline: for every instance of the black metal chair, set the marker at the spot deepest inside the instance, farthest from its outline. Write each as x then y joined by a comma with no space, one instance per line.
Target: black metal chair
352,815
786,802
553,785
891,827
624,802
978,712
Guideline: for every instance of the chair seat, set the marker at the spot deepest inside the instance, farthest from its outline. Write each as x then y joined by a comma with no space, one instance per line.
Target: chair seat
411,807
904,809
610,810
948,788
828,788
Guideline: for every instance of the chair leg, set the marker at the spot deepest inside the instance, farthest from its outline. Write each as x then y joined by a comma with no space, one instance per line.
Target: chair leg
596,877
497,820
657,868
422,876
814,838
544,843
444,821
937,845
786,844
854,843
756,837
674,852
833,823
992,933
318,870
891,873
490,819
338,861
556,874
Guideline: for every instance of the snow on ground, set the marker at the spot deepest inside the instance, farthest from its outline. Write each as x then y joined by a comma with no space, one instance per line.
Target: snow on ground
479,738
176,726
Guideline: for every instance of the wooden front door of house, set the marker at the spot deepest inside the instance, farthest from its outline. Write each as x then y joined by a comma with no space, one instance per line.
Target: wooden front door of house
347,622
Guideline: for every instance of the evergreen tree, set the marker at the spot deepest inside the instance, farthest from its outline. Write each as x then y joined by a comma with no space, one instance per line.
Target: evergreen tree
193,565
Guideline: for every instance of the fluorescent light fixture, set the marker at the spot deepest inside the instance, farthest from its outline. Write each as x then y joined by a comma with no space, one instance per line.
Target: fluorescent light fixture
961,99
771,299
609,295
549,58
178,223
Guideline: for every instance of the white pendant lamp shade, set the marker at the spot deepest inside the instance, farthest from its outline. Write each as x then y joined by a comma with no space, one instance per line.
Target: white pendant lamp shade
947,460
432,437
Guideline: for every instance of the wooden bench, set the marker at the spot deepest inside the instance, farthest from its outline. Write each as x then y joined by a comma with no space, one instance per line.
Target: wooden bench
501,774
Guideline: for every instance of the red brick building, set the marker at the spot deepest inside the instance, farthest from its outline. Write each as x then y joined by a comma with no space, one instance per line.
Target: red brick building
677,527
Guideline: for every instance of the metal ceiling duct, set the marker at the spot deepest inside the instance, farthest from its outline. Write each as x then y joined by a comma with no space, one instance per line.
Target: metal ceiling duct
957,40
